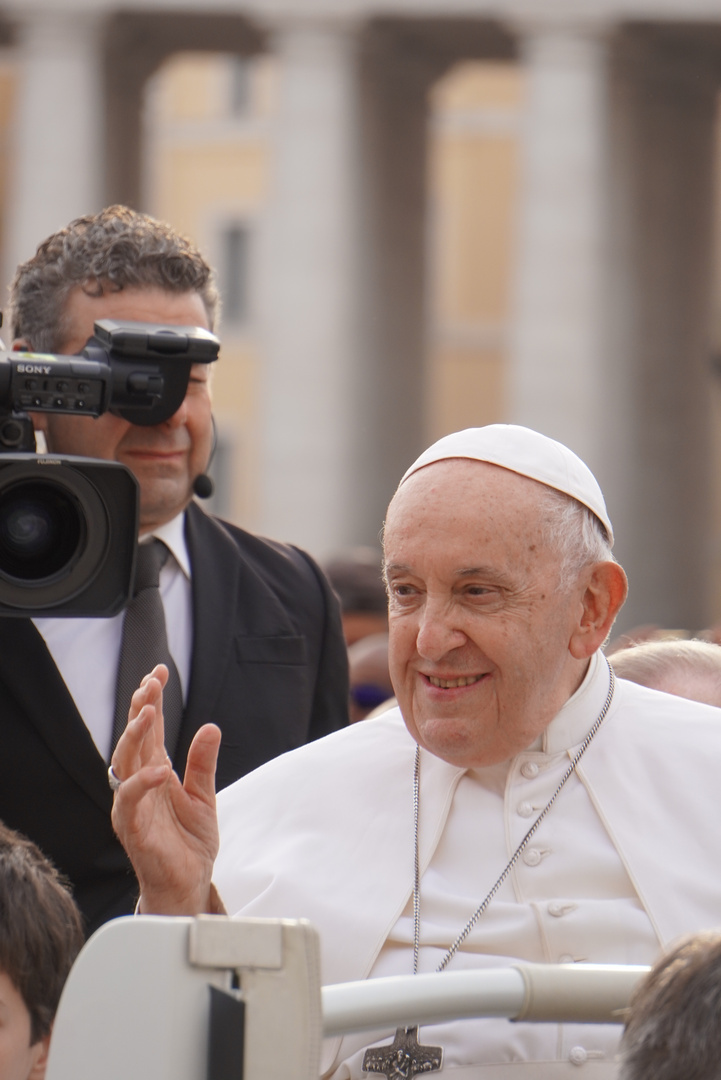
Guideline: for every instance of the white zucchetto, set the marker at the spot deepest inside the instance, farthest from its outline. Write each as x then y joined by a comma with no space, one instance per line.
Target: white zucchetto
525,452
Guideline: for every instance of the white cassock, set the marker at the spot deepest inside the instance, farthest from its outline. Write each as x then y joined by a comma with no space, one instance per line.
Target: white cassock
627,859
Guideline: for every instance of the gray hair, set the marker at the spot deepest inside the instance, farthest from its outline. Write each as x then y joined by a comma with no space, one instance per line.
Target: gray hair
116,249
576,533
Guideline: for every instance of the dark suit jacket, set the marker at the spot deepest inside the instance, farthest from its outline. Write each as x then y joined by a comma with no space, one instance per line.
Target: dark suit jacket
268,666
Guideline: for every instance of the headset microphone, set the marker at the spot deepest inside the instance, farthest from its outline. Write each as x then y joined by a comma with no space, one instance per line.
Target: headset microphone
203,486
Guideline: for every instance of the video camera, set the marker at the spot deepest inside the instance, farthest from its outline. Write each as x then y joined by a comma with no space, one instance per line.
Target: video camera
69,525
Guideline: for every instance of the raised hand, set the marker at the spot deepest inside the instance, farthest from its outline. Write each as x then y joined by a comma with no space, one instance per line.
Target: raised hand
168,828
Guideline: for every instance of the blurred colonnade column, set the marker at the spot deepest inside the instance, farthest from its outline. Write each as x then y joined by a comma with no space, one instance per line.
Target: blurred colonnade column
309,284
342,280
58,164
610,348
657,465
556,364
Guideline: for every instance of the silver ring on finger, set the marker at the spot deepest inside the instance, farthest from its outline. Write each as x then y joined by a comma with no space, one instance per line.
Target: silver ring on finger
113,780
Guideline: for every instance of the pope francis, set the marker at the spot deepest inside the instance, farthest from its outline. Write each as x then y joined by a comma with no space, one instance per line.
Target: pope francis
519,803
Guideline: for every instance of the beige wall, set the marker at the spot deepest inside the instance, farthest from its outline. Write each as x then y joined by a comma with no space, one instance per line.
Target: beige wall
207,166
472,167
204,164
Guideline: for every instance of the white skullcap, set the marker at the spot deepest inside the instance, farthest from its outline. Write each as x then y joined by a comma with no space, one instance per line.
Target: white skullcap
525,452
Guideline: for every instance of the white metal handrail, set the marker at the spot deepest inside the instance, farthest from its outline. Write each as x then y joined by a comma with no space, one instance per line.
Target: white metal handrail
565,993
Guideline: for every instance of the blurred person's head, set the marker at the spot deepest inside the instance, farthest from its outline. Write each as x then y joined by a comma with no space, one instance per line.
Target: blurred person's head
689,669
673,1031
357,578
122,265
40,936
370,680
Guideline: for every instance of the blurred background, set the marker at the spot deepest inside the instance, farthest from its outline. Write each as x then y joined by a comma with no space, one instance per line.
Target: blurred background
424,215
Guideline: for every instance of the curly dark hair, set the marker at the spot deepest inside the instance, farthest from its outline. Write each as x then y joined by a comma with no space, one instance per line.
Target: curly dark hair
41,929
116,249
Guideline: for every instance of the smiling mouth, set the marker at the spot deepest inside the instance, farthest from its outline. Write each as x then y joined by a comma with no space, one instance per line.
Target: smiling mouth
451,684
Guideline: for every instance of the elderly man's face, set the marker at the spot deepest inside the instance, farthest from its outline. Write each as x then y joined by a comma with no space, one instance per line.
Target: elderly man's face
479,631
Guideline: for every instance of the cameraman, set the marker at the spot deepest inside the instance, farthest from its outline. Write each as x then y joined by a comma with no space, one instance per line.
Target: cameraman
252,625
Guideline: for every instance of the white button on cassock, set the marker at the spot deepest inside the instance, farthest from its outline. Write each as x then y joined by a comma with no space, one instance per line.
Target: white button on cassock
529,769
558,909
578,1055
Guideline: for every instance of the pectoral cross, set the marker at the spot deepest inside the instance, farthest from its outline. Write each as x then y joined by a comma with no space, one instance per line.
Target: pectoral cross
404,1058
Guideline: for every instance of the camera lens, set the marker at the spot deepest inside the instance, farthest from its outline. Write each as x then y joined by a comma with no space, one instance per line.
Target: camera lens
42,530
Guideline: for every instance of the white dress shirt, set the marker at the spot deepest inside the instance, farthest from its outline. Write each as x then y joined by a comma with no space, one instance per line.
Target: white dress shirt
87,651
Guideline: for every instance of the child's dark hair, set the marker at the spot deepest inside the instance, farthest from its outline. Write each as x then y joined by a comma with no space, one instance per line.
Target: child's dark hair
41,928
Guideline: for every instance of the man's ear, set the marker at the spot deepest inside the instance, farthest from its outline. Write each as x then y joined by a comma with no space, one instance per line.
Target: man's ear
39,1052
605,591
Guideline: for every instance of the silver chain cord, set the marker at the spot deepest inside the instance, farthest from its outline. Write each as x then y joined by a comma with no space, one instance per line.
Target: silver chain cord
516,854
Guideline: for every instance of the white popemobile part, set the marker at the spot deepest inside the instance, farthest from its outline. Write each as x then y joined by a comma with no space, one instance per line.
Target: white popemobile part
159,998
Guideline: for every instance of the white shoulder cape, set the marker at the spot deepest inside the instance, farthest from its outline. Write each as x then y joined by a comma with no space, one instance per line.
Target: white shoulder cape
326,832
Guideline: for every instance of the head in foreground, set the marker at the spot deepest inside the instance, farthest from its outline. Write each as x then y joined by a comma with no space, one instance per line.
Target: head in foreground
120,264
40,936
673,1030
689,669
501,586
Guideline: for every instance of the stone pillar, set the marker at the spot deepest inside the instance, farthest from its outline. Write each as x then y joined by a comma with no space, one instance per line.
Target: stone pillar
555,369
136,44
58,151
658,378
309,284
391,376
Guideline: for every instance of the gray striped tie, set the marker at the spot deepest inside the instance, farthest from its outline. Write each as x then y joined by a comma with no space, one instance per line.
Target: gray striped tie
145,644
